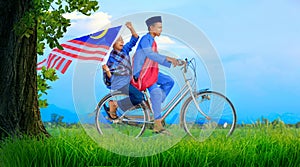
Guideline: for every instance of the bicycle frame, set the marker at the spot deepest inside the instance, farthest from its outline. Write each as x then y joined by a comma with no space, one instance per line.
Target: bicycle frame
179,96
142,119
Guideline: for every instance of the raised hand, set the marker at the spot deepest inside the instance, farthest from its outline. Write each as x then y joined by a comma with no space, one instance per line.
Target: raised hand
132,30
129,25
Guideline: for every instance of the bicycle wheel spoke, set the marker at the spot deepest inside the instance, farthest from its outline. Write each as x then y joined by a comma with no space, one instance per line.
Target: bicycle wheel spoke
222,116
130,123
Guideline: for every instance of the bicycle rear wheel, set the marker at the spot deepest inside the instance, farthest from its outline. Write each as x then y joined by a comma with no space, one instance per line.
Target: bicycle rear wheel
130,123
215,105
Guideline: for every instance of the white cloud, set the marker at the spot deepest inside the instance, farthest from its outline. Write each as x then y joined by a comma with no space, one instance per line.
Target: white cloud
164,40
169,43
82,24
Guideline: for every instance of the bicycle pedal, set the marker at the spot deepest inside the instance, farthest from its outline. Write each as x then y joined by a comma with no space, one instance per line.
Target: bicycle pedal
116,121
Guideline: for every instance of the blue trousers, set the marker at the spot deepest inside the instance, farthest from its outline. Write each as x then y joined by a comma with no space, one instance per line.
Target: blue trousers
159,91
135,97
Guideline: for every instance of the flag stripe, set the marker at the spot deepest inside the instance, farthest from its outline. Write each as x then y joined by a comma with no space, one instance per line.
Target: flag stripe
42,62
55,61
66,66
60,63
89,44
50,60
62,52
83,50
86,47
80,54
49,57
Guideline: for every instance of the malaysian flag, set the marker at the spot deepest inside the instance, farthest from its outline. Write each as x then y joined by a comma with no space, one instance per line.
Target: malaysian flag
93,47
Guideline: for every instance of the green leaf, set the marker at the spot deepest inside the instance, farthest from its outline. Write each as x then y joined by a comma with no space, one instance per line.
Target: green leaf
27,35
51,27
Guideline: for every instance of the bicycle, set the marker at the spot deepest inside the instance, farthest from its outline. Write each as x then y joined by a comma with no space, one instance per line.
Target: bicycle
203,112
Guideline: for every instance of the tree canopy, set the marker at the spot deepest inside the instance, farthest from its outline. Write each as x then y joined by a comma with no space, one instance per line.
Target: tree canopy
51,26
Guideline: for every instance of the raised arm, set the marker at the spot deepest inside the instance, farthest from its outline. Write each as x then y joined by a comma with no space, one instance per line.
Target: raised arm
133,40
132,30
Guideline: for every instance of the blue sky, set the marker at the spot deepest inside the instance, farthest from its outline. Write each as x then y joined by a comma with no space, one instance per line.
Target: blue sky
256,40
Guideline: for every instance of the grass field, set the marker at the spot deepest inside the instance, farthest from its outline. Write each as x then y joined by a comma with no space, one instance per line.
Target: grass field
248,146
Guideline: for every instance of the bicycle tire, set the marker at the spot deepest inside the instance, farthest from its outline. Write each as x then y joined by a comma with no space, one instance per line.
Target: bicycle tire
217,106
133,122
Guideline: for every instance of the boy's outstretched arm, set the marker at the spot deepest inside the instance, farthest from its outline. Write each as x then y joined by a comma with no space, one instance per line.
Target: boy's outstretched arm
132,30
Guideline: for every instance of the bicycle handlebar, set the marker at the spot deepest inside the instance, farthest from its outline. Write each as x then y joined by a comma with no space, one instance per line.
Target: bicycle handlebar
184,63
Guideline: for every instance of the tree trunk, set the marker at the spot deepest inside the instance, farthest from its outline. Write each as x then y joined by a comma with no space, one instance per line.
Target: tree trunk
19,111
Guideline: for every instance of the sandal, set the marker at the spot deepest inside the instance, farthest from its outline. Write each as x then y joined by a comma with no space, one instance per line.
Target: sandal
111,114
158,130
158,127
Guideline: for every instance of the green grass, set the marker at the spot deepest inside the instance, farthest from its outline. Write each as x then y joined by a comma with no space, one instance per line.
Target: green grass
248,146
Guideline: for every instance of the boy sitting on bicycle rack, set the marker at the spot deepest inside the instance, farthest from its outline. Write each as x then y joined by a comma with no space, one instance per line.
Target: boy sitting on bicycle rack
117,73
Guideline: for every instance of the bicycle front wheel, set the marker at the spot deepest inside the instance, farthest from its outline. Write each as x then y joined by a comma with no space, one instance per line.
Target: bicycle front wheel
221,114
130,123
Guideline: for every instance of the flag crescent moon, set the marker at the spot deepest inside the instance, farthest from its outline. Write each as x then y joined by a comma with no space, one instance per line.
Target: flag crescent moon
100,35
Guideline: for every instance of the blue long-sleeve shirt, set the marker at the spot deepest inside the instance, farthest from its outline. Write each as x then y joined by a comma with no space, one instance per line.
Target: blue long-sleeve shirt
119,81
144,50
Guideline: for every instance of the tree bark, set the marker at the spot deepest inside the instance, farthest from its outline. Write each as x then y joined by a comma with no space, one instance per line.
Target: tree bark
19,111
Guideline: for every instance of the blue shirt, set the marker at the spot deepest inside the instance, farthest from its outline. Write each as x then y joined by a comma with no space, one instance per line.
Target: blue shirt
119,81
144,50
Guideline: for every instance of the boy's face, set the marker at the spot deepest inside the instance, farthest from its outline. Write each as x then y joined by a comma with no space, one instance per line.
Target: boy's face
118,45
156,28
